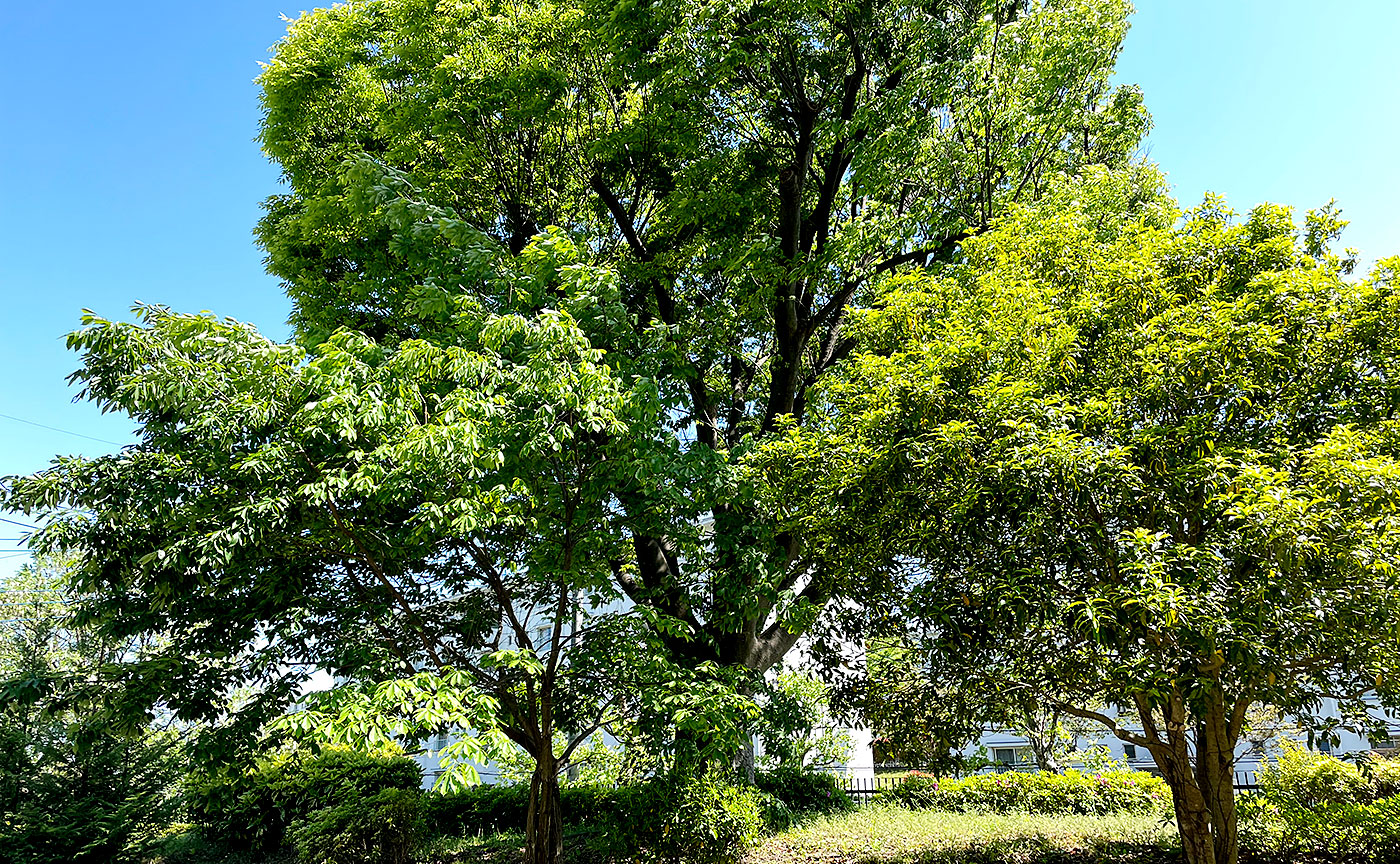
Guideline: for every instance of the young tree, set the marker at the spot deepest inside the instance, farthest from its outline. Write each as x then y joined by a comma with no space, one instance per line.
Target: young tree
752,171
796,725
71,790
430,515
1136,457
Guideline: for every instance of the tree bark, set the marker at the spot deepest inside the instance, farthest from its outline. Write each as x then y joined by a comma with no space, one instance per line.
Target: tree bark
1041,726
544,824
1173,759
1215,763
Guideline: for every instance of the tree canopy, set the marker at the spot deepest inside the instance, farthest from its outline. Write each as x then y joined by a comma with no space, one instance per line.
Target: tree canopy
1132,456
750,172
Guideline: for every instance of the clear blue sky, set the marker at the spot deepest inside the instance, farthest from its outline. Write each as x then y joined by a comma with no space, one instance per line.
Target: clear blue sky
129,172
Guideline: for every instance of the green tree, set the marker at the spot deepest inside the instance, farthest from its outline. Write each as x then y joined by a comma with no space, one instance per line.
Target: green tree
751,172
71,790
796,725
1135,457
436,517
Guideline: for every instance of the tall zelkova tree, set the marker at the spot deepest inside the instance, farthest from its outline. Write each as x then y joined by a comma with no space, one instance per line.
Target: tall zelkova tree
1131,457
752,171
435,517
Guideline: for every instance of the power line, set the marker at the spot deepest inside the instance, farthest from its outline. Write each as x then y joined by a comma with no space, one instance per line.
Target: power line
20,524
63,431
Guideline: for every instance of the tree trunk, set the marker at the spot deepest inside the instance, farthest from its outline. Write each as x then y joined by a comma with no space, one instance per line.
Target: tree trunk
1192,814
544,824
1215,764
1173,759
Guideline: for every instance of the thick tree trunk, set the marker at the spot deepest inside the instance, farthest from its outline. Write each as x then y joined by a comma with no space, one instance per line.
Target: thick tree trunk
1172,754
1203,788
1192,815
1215,774
544,825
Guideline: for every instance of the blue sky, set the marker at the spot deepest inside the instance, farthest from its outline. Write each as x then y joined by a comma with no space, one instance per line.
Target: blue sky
129,170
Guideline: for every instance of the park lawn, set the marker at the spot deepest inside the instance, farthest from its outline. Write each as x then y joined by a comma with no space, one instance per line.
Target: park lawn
887,835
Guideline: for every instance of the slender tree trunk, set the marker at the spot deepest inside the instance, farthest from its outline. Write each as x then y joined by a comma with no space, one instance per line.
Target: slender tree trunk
544,825
1041,731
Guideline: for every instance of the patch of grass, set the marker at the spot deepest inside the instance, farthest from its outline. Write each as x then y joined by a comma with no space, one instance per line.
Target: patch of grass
503,847
508,847
891,835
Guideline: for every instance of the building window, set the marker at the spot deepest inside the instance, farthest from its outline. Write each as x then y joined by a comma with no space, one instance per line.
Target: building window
1004,755
1324,746
1130,752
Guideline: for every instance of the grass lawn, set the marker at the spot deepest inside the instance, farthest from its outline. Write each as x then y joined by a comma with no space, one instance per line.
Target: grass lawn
877,835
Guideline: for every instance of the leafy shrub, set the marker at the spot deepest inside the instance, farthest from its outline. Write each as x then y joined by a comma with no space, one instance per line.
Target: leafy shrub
1307,779
1384,775
385,828
1072,792
478,810
255,809
796,725
694,822
484,810
188,844
1347,831
806,792
1312,805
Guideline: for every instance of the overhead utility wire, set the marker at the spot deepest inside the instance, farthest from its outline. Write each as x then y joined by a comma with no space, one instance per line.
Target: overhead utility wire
63,431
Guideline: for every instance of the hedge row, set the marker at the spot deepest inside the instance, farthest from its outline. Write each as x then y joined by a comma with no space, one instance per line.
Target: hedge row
1072,792
342,807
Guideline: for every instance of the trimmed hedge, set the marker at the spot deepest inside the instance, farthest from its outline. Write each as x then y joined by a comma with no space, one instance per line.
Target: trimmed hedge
255,810
1072,792
784,795
484,810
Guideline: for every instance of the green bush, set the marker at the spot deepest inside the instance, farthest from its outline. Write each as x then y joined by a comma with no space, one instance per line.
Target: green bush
484,810
478,810
1344,831
1384,775
692,822
806,792
1315,806
385,828
1303,778
1072,792
254,810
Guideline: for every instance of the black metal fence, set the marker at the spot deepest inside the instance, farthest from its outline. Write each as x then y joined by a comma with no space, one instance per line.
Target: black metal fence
863,789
